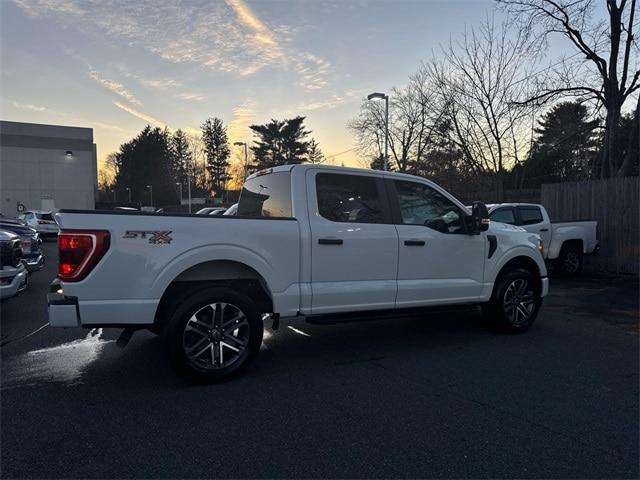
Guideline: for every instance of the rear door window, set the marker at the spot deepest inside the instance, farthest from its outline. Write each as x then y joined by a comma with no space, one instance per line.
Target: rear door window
45,216
266,196
350,198
504,215
530,215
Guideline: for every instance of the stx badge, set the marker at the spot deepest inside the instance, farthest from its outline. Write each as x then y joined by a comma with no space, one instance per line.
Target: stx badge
155,238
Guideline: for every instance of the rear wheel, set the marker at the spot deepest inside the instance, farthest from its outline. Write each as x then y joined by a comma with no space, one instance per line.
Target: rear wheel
570,260
515,302
214,334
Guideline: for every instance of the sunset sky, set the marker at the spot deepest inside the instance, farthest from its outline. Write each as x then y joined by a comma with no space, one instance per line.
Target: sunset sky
117,65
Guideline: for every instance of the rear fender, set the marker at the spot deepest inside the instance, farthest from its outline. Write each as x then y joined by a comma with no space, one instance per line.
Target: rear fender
200,255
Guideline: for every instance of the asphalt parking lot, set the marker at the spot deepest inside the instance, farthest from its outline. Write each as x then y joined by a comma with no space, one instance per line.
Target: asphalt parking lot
437,396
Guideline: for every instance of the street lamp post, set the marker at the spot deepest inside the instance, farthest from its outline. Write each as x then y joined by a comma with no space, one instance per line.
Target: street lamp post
180,187
246,158
382,96
129,190
150,194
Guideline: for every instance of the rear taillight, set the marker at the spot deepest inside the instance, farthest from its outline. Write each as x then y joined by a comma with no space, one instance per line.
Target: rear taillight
79,251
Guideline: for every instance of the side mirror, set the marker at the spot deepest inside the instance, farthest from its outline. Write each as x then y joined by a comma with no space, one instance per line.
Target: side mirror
479,217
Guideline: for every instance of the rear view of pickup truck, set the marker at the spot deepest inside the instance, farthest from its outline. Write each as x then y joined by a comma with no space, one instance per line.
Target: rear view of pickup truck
312,241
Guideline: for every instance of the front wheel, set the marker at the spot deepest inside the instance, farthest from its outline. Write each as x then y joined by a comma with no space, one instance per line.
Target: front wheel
214,334
515,302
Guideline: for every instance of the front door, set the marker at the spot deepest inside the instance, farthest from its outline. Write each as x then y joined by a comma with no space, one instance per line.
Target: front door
439,261
354,249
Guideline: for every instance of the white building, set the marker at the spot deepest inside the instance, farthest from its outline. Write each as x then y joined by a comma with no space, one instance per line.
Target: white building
46,166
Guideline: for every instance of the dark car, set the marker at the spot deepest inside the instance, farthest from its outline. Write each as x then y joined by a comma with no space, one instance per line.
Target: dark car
13,220
31,242
13,274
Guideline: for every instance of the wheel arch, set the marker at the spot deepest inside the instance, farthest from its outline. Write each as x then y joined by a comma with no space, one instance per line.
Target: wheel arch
573,242
231,274
524,262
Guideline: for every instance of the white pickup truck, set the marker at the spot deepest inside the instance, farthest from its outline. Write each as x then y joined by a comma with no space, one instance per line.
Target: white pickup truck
565,243
327,243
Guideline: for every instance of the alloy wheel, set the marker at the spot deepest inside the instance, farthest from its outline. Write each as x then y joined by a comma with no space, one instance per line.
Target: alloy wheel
519,302
216,336
571,262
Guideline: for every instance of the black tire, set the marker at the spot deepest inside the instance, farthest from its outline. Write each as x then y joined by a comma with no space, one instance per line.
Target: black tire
505,310
569,261
199,324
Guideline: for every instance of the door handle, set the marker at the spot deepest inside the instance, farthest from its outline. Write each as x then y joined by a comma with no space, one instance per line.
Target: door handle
330,241
414,243
544,229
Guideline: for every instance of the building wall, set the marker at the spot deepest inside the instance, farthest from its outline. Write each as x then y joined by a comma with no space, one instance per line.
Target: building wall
34,166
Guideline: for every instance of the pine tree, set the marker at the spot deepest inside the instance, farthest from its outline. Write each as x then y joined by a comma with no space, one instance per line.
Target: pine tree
181,156
314,154
280,142
217,153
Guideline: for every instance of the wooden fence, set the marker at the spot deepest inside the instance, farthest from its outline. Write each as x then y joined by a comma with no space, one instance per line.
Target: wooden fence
510,196
614,203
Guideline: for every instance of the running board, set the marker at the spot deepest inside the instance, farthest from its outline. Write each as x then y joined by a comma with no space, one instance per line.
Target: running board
373,315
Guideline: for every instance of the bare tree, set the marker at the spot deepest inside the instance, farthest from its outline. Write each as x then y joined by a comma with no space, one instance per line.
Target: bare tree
608,48
411,120
477,82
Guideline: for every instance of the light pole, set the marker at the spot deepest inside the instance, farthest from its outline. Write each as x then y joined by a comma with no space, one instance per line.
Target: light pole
246,158
382,96
129,190
150,194
180,187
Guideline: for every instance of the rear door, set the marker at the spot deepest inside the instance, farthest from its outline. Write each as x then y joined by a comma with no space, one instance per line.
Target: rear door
354,244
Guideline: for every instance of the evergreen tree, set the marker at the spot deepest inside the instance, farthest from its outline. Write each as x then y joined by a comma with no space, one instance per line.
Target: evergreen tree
217,153
145,160
566,146
181,156
314,154
280,142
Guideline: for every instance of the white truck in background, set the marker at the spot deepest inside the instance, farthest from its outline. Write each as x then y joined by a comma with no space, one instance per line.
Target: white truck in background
326,243
565,243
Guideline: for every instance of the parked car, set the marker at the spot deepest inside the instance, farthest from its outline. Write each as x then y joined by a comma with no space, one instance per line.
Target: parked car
328,243
14,220
217,211
209,210
232,210
565,243
42,221
31,243
13,274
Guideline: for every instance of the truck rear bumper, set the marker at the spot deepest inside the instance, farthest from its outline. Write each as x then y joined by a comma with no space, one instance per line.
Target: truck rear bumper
62,310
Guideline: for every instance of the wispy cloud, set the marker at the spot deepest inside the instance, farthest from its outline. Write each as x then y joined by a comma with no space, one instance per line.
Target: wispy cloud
159,83
227,37
243,116
197,97
114,87
141,115
331,101
27,106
